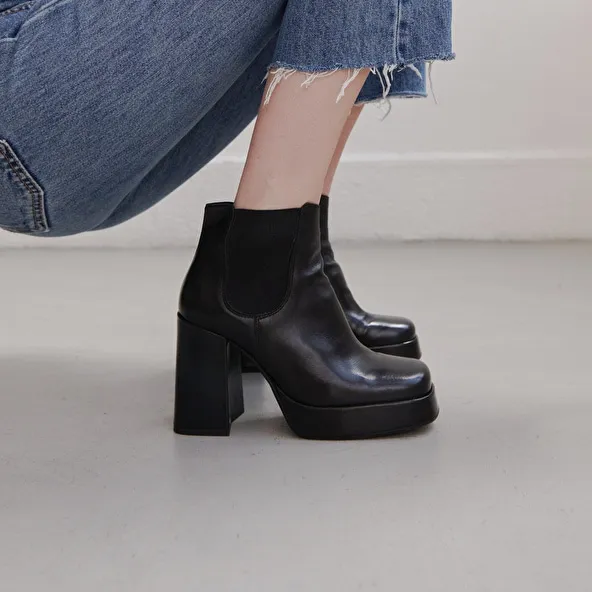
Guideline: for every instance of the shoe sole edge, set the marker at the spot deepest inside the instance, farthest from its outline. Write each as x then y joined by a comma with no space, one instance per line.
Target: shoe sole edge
358,422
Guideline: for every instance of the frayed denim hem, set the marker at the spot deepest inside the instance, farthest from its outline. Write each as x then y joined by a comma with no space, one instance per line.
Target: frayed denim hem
279,71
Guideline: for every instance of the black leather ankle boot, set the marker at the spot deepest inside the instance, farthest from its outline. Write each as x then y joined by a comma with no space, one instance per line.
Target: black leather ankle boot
257,286
386,334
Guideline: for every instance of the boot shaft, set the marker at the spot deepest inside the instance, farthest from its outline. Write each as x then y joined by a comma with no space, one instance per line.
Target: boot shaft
247,260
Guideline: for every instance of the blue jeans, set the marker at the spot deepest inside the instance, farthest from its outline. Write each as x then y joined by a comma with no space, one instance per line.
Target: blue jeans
108,106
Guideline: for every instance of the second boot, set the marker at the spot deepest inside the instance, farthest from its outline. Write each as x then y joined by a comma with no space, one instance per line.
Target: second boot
392,335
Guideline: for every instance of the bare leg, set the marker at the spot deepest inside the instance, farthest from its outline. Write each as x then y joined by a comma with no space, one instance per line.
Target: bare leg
345,134
295,138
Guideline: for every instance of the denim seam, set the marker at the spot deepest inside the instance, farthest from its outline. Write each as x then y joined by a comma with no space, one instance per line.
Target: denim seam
35,192
397,32
44,9
16,9
21,203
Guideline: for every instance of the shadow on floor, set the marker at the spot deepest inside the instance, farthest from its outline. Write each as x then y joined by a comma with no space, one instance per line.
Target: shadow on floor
89,385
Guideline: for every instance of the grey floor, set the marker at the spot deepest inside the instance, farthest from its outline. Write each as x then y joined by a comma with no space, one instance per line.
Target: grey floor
97,494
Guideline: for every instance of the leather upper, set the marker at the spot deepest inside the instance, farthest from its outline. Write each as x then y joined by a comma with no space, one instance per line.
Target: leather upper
307,346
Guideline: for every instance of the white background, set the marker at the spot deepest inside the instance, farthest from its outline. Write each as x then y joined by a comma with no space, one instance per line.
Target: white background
506,154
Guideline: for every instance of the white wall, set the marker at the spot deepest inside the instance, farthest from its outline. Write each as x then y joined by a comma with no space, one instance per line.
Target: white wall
506,154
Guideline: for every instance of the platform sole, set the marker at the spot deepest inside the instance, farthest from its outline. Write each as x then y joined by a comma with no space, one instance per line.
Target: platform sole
209,397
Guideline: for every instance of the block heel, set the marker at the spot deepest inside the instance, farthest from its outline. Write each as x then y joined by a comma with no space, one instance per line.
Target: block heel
208,390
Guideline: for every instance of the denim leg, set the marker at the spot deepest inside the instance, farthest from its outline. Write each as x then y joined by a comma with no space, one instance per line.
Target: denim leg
239,106
393,38
108,106
222,124
94,95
